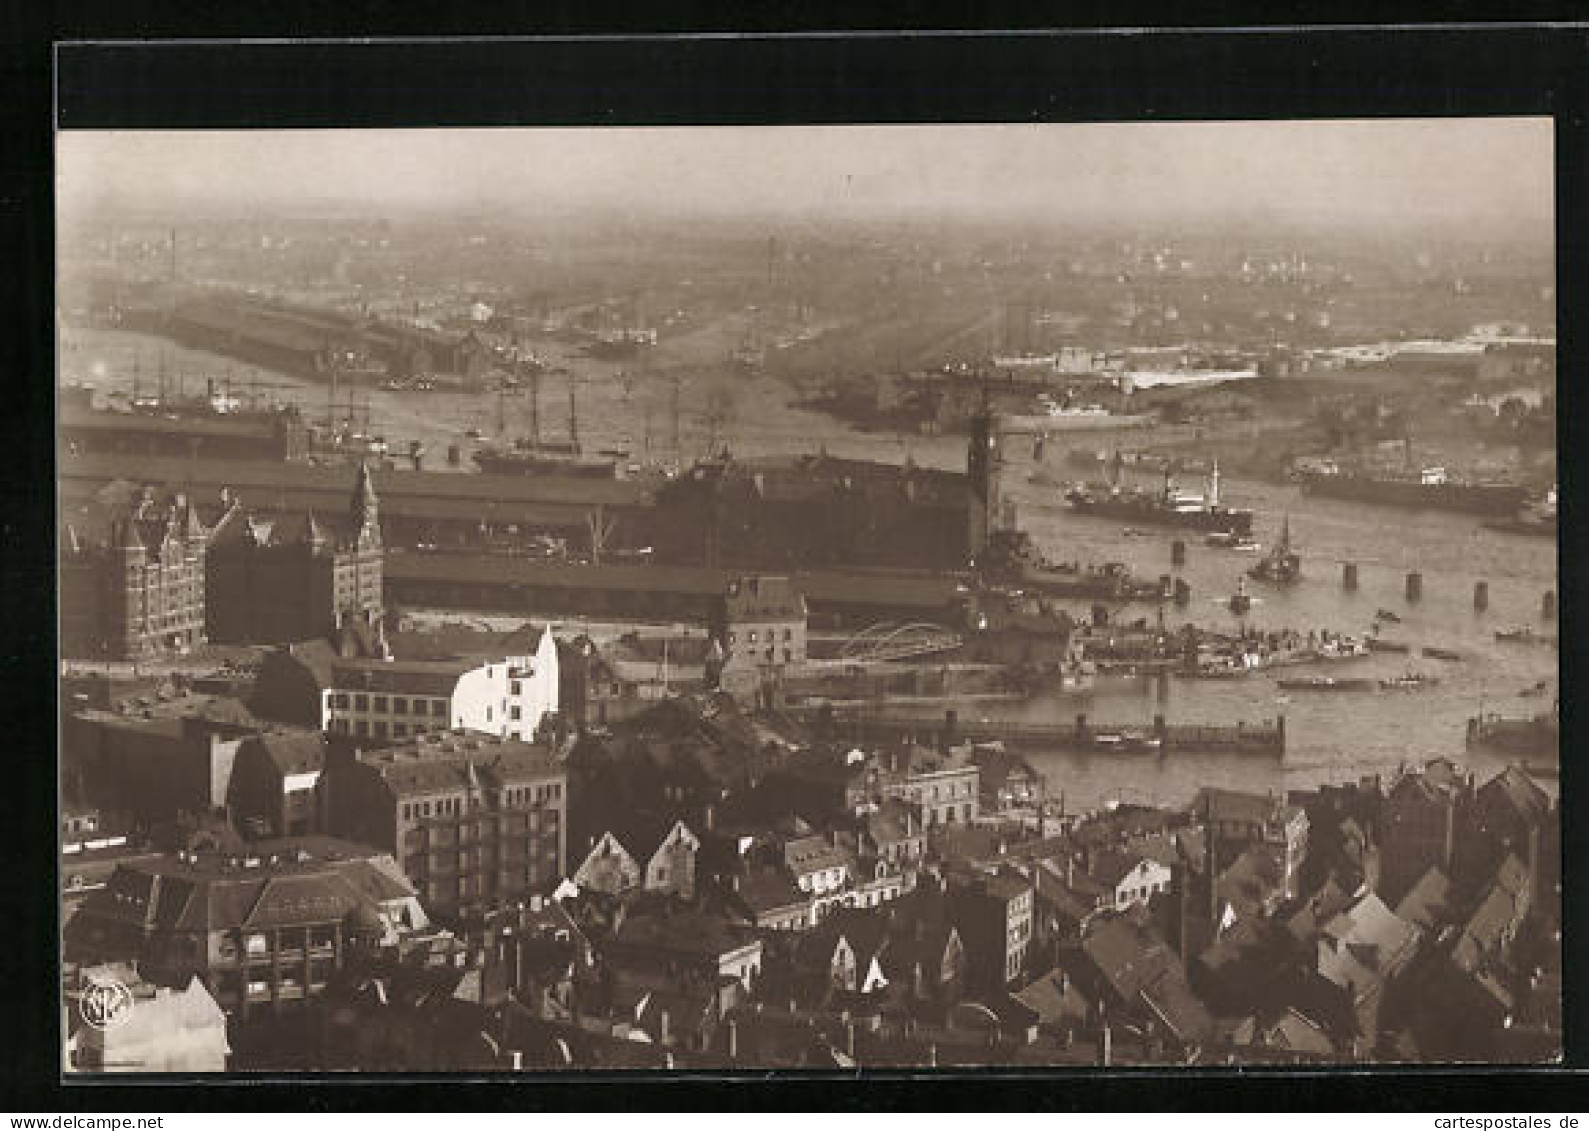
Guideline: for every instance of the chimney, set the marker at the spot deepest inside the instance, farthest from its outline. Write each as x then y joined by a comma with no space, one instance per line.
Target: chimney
733,1040
1107,1043
849,1039
664,1030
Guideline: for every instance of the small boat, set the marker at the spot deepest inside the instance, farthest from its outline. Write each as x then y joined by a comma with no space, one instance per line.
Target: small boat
1387,616
1375,644
1282,566
1221,538
1241,600
1326,683
1412,681
1133,532
1523,634
1540,688
1246,546
1441,653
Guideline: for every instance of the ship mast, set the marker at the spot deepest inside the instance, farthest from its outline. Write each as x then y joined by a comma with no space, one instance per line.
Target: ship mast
535,406
1213,486
573,417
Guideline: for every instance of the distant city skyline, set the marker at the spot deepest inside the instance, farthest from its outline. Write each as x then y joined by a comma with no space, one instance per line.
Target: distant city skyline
1496,170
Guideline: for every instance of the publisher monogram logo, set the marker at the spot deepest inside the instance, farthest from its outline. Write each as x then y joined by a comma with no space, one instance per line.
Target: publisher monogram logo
105,1003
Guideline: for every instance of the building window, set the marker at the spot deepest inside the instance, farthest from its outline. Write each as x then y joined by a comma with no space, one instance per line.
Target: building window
438,708
399,705
361,702
515,687
488,714
514,713
339,699
788,634
380,704
788,656
381,730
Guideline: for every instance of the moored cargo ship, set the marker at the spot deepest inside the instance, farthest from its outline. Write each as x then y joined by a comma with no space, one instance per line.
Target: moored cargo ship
1538,520
1430,488
545,458
1011,559
1165,507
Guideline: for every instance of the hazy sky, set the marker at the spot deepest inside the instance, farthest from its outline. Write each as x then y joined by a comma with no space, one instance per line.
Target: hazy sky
1439,169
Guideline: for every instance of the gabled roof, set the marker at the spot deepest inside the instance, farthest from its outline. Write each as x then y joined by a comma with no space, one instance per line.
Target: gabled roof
1110,867
1427,903
1498,913
1367,938
293,751
1228,805
764,890
1513,788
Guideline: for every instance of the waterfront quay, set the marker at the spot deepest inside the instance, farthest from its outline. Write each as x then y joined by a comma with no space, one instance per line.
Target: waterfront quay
867,724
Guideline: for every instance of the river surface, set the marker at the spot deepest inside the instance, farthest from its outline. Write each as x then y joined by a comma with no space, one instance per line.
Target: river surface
1330,737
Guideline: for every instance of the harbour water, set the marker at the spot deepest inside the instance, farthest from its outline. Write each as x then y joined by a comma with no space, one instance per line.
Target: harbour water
1331,737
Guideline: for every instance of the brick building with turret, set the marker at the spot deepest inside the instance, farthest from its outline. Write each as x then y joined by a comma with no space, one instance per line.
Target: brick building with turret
135,587
299,577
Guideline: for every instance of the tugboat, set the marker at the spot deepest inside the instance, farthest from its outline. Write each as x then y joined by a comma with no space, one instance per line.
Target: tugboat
1167,507
1375,644
1450,655
1537,519
1387,616
1412,681
1241,600
1282,565
1523,634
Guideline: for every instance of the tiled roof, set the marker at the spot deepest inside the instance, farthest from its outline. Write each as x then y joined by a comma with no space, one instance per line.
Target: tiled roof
291,882
763,890
1428,903
293,751
453,759
1520,792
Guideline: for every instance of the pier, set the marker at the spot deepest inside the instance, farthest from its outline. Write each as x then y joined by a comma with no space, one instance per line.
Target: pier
866,724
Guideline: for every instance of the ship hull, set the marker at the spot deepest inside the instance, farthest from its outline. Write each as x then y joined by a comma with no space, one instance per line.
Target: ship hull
1471,498
541,465
1221,521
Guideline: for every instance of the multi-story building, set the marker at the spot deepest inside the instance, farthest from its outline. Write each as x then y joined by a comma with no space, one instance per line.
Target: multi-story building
760,628
475,820
263,932
994,916
1235,820
275,779
136,588
944,789
309,684
158,758
1421,822
295,577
